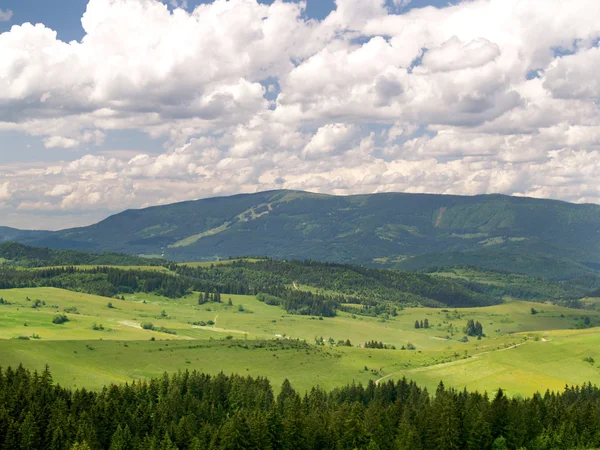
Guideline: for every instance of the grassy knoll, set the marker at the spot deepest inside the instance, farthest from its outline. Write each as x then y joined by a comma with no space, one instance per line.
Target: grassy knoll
243,338
556,359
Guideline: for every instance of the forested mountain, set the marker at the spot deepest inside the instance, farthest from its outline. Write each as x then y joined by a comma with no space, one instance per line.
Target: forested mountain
540,237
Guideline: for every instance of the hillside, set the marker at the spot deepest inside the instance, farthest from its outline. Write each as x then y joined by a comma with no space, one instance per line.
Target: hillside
19,255
539,237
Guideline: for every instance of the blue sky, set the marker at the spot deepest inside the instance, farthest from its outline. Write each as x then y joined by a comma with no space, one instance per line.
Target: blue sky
155,108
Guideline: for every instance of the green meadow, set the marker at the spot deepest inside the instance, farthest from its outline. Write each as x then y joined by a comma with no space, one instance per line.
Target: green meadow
103,341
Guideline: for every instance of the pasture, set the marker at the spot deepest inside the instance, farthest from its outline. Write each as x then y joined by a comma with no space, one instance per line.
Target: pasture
522,352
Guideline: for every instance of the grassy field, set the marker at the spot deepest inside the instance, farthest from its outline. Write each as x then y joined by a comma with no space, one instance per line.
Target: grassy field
216,263
522,352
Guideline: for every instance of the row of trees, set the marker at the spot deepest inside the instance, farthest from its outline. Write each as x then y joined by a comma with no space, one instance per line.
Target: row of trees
104,281
474,328
379,345
422,324
190,410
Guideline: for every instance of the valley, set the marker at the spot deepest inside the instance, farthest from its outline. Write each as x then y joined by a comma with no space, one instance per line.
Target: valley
521,352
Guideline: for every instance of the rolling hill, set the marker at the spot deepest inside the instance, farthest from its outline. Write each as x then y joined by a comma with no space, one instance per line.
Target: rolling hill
409,231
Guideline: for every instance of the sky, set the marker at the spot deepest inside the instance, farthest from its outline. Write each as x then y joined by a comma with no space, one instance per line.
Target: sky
117,104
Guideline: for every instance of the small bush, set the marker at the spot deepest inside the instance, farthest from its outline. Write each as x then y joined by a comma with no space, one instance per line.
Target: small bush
72,310
110,305
97,327
410,346
589,359
210,322
60,319
147,326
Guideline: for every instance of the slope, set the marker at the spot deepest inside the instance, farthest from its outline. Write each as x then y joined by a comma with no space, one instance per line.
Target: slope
382,229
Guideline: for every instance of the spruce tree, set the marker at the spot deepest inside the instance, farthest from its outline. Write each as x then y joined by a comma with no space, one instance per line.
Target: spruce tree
121,439
29,433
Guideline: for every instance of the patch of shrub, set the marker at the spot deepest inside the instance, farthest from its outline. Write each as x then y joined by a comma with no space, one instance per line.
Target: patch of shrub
164,330
269,299
60,319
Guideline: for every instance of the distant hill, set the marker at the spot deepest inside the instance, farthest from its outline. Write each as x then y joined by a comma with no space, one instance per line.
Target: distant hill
303,287
410,231
19,255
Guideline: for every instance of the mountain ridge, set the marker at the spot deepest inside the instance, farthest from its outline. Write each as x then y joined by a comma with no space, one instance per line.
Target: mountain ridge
383,229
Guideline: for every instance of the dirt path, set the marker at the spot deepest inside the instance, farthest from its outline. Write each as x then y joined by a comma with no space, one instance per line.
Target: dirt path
446,363
127,323
217,329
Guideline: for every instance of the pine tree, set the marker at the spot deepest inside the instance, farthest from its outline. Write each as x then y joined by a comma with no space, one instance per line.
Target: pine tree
354,428
426,323
417,324
167,443
80,446
30,433
235,434
121,439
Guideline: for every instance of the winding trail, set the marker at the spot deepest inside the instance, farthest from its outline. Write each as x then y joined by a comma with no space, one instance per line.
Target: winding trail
456,361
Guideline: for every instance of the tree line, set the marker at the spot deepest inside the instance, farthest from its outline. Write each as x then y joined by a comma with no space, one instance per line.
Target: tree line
191,410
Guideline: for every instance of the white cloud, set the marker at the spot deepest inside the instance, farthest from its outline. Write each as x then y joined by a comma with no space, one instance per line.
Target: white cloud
5,193
5,15
329,139
456,55
251,96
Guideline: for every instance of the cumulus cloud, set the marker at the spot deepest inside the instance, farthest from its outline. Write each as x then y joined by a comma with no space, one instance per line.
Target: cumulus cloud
5,15
481,96
5,192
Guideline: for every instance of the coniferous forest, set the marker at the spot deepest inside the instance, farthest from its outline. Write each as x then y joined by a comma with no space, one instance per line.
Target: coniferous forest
190,410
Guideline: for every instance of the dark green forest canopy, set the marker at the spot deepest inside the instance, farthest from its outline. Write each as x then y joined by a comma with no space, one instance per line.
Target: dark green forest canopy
191,410
20,255
300,287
